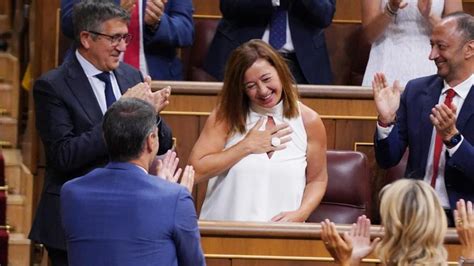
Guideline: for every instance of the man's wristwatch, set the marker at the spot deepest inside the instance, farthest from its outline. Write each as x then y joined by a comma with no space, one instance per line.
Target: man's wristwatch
453,141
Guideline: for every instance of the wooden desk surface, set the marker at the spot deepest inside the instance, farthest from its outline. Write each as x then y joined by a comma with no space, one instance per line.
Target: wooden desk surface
251,243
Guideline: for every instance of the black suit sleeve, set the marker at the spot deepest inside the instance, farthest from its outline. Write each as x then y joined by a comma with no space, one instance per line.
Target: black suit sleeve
72,143
165,137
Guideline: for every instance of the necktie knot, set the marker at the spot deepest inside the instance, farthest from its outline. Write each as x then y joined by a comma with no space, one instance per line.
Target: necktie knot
450,93
104,77
109,92
449,97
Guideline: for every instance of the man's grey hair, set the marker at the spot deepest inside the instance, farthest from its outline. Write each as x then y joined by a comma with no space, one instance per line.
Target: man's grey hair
465,24
89,15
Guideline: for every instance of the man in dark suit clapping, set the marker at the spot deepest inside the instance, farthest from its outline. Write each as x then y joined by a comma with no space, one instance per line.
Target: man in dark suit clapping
70,102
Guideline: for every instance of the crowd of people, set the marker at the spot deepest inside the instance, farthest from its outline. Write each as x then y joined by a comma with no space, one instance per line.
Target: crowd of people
262,151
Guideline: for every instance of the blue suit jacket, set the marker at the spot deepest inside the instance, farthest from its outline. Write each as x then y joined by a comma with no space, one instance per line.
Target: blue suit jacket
244,20
69,122
176,30
413,129
119,215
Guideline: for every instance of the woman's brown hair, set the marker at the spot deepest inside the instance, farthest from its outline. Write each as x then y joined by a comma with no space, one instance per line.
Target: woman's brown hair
234,104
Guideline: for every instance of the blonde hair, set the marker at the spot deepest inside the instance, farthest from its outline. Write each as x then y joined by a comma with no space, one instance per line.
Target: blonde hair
234,104
415,225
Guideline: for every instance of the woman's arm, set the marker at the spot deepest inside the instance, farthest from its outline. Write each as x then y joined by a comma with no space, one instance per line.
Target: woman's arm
376,20
316,169
450,6
209,158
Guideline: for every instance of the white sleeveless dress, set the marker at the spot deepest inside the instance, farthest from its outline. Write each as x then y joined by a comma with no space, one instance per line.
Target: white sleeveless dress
257,187
402,51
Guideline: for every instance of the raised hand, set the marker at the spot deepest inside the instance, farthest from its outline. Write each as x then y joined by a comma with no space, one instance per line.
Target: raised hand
386,98
464,221
425,7
166,168
187,180
395,5
127,5
153,11
360,236
259,141
340,249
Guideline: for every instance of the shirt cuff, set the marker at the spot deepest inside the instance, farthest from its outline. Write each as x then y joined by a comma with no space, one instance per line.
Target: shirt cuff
452,150
383,132
275,2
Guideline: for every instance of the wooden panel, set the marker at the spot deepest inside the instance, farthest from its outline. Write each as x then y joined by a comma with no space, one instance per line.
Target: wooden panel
218,262
186,131
350,131
280,243
263,262
206,7
330,125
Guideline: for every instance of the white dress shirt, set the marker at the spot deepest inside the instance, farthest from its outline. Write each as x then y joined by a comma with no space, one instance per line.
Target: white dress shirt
288,46
97,85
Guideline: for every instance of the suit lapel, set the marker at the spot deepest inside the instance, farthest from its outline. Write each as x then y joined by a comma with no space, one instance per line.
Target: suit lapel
81,88
431,98
467,110
124,80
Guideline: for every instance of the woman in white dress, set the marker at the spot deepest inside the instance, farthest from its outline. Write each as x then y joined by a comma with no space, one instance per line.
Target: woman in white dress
263,152
399,32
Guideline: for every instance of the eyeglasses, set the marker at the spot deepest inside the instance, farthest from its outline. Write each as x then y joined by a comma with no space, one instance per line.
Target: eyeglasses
114,39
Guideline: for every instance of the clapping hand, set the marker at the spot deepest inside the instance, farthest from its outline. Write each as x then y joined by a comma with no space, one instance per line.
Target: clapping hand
353,246
360,235
127,5
153,11
425,7
395,5
159,99
168,169
339,248
464,221
386,98
443,119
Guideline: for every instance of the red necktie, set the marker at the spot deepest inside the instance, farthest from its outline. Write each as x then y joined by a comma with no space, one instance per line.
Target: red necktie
132,54
269,125
439,141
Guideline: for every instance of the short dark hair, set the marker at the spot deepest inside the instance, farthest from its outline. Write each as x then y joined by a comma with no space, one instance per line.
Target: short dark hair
464,24
126,125
89,15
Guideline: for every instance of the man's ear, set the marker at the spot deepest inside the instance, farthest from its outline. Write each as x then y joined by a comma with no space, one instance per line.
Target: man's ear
150,142
85,40
469,52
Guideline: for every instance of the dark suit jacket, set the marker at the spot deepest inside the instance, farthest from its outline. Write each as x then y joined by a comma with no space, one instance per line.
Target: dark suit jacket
69,122
119,215
414,129
244,20
176,30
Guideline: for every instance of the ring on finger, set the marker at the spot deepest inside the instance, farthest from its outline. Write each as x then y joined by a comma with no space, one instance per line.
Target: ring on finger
275,141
